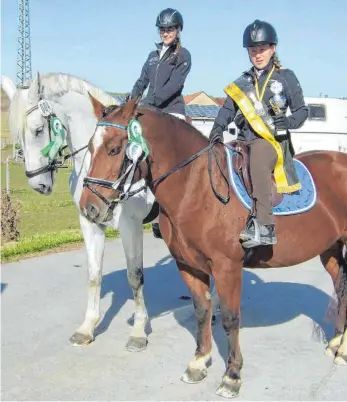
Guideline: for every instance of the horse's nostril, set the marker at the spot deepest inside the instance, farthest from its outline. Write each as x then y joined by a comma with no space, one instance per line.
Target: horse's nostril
92,211
44,189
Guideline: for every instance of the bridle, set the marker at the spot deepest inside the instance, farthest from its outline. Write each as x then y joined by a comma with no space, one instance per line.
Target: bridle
134,155
57,162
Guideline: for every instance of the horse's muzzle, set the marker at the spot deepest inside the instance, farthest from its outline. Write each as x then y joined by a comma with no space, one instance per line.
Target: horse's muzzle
93,214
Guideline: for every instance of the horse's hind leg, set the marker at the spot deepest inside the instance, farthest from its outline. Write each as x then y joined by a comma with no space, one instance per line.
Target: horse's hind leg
131,231
199,285
341,354
336,264
94,239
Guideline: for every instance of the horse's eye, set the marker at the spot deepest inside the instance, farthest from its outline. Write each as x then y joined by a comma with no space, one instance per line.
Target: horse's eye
39,131
115,151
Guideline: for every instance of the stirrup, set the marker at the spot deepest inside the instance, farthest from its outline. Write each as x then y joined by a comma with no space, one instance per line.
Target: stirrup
247,241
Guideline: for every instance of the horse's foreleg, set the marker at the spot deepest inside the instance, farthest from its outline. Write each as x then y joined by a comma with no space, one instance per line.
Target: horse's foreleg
199,285
94,239
228,279
215,304
131,231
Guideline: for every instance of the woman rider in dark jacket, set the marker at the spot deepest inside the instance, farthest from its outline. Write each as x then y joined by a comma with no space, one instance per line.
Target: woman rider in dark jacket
273,85
165,71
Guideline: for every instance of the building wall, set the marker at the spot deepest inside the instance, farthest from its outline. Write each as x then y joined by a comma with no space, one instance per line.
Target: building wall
202,100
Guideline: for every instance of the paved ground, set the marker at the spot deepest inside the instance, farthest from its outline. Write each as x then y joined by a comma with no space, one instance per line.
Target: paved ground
43,302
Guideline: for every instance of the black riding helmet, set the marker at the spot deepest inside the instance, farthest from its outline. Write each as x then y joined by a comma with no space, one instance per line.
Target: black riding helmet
169,18
259,33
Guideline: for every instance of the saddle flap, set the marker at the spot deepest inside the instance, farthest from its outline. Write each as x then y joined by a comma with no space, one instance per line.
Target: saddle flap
241,163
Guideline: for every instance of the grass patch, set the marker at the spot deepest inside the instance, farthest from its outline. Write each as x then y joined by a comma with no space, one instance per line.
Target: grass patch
41,214
48,241
46,222
39,242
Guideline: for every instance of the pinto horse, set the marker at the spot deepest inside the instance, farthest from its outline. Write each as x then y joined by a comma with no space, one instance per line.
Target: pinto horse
188,177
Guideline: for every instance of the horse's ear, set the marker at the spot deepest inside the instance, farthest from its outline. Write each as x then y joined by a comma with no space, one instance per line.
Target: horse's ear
129,109
34,94
97,106
8,86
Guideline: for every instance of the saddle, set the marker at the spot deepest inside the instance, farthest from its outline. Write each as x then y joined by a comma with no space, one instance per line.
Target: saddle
241,167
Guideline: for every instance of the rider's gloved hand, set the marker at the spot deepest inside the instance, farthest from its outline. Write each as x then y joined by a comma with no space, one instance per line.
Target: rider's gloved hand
216,135
281,122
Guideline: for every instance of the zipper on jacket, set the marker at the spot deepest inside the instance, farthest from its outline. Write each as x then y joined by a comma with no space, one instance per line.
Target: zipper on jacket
156,71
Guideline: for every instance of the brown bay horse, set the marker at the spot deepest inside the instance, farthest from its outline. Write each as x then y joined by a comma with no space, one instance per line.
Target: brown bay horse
202,233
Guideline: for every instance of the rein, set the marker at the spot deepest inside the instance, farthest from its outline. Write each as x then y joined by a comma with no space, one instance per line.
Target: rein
127,177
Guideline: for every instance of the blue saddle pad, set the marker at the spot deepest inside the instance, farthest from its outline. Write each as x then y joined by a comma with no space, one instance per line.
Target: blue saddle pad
291,204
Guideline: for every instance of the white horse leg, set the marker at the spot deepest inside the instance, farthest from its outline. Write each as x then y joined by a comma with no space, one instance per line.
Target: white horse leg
94,239
131,231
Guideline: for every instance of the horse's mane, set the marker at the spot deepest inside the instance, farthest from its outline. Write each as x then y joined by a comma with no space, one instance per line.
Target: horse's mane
53,85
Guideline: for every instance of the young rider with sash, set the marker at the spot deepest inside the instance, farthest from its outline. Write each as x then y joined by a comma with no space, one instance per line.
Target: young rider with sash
257,102
165,71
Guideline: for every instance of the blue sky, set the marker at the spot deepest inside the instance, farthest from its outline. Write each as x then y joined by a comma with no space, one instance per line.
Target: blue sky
107,41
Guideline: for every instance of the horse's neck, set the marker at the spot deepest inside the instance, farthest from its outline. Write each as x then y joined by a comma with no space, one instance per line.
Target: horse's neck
81,120
169,149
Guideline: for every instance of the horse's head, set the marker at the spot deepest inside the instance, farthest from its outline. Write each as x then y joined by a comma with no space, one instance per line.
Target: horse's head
41,128
115,162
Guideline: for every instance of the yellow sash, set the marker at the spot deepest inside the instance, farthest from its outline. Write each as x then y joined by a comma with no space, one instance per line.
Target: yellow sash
247,108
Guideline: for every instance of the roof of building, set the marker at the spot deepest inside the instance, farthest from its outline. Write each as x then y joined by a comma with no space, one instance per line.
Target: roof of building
193,111
189,98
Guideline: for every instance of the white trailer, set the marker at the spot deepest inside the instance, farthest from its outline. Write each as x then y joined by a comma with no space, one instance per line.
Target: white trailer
324,129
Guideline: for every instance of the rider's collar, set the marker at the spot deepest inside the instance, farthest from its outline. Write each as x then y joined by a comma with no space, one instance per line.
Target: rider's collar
253,71
159,46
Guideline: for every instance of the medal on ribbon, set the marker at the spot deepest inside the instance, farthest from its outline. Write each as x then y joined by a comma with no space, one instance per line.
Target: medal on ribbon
135,135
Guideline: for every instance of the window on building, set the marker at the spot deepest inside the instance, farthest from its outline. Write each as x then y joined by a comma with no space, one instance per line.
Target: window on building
316,112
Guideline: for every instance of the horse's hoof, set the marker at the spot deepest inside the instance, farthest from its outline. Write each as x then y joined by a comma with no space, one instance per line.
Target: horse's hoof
78,339
229,389
135,344
340,360
193,376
